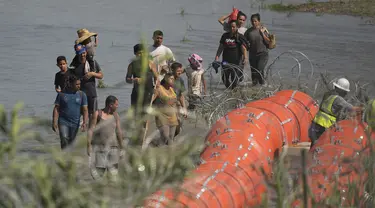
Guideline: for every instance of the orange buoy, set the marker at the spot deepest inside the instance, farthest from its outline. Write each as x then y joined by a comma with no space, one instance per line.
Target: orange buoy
240,143
345,141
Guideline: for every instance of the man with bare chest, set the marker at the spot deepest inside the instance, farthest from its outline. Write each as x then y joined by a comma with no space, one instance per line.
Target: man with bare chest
104,139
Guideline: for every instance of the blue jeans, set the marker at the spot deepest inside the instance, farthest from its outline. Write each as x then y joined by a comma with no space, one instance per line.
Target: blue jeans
315,131
67,134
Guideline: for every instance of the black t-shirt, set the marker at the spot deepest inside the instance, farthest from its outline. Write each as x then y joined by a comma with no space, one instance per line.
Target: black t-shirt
87,86
60,80
75,62
135,72
232,48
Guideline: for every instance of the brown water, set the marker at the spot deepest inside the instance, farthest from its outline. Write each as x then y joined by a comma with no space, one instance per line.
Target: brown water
34,33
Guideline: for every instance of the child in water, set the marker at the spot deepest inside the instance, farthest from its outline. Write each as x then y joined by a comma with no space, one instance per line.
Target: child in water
60,77
84,38
195,80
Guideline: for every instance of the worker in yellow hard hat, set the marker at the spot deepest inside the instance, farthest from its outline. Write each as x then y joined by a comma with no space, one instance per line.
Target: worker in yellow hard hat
333,108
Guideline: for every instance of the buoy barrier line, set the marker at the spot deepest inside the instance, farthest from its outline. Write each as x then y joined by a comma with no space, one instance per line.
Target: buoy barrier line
281,120
335,159
241,148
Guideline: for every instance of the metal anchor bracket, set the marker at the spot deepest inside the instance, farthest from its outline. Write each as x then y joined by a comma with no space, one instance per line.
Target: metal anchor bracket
250,146
217,131
204,186
227,120
318,150
260,115
250,121
359,140
215,154
228,130
216,144
338,142
286,121
251,137
288,103
268,135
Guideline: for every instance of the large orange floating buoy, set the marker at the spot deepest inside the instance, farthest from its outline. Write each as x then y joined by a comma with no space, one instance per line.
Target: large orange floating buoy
336,160
240,143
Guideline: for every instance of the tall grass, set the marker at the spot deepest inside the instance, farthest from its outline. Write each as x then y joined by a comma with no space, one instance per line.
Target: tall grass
362,8
60,182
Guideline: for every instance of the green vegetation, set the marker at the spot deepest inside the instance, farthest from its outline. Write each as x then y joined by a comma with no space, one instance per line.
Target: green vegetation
282,7
62,179
363,8
101,84
182,11
185,39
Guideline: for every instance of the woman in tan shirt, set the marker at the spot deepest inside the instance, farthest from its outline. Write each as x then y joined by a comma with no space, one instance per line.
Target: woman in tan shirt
165,101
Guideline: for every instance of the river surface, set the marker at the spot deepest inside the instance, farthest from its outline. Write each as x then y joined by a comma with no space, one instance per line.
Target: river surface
33,33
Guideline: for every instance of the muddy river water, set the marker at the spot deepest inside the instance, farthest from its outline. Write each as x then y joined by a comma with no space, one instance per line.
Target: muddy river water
34,33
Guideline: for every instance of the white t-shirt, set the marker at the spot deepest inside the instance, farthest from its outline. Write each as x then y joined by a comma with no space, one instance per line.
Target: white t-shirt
195,80
240,30
161,55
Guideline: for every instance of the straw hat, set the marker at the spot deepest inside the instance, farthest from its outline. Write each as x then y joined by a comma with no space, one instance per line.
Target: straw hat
83,34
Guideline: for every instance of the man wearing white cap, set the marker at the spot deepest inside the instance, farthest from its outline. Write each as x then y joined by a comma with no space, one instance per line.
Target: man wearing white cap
333,108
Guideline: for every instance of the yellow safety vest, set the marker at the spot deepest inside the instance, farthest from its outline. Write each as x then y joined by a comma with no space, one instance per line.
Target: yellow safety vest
325,116
370,114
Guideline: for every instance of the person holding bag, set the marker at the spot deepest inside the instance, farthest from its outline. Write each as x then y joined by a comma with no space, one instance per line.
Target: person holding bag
260,41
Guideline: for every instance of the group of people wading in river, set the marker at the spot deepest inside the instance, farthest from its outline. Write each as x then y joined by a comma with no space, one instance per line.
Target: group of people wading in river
157,82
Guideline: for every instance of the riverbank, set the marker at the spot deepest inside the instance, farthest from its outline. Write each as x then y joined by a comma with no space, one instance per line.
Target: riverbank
362,8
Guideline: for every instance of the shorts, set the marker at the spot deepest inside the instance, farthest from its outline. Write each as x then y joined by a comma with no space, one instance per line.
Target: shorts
106,158
92,104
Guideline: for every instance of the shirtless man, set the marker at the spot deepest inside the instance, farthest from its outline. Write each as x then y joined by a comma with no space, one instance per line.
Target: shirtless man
105,140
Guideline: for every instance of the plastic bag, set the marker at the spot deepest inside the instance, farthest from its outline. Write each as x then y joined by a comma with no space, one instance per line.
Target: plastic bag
233,15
